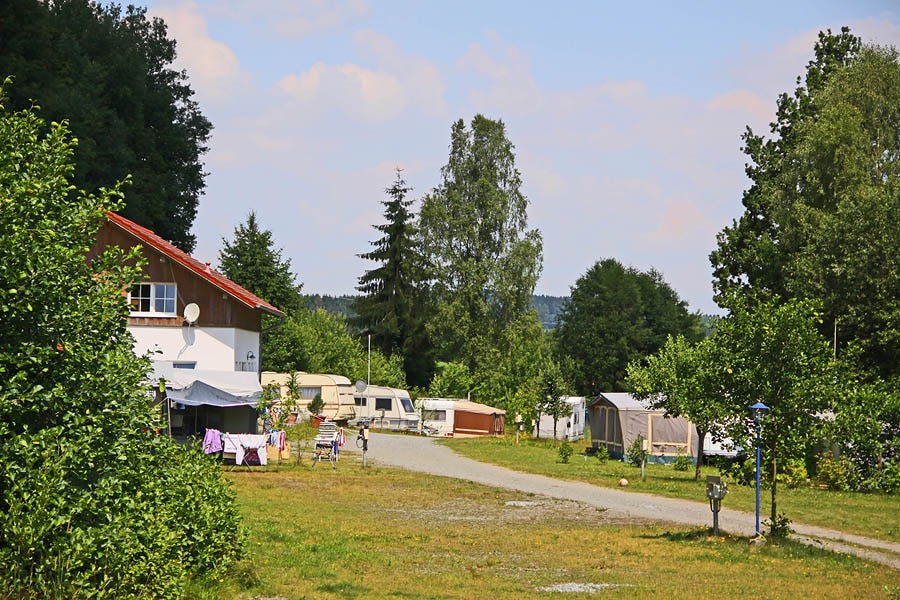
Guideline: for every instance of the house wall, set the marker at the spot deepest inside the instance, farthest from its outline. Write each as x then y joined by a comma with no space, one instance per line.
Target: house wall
213,348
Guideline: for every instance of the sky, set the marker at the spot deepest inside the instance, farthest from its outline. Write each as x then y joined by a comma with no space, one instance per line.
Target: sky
626,118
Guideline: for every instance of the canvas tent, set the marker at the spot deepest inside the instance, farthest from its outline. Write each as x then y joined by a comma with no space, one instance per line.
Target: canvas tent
199,399
617,419
569,427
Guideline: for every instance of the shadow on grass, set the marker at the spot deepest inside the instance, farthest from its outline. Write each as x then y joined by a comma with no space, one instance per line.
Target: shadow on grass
343,588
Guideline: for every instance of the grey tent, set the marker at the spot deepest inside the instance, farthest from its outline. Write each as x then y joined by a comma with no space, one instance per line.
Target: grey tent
617,419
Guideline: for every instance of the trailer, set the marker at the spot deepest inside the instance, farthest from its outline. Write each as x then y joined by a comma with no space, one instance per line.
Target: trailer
336,392
382,407
448,417
569,427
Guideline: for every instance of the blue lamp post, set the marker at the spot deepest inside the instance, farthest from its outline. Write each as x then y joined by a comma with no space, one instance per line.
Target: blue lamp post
759,411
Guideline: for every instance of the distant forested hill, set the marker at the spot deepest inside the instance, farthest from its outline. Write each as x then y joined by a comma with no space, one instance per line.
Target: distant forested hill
547,306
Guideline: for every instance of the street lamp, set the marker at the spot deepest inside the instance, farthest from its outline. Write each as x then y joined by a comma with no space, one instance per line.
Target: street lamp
759,411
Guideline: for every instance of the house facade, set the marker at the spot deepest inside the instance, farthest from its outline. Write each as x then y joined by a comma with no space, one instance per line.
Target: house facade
200,329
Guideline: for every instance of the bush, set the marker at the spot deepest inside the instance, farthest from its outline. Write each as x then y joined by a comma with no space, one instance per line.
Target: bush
565,451
835,473
682,462
93,502
602,454
634,453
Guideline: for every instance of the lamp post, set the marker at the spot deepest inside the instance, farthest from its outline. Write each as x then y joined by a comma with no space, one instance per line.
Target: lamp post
759,411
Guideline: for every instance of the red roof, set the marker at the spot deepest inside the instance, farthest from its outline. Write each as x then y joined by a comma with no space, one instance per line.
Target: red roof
203,270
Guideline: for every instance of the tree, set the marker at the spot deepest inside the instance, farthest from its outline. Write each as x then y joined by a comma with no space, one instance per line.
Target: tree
386,310
616,315
551,402
91,498
774,354
252,262
108,73
821,216
482,262
686,380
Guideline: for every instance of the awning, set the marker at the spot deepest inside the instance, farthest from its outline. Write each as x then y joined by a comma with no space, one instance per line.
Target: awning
198,392
194,387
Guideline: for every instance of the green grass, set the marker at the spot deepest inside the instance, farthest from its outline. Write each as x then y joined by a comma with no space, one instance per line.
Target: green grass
872,515
372,533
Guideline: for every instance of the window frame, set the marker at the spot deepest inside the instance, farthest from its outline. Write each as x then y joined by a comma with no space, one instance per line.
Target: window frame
154,299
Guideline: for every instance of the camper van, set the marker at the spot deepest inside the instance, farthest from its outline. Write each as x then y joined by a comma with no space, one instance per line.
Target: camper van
437,416
570,427
385,408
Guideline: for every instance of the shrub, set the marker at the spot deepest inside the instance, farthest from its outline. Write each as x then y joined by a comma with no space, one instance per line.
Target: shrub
835,473
682,462
602,455
634,453
792,473
565,451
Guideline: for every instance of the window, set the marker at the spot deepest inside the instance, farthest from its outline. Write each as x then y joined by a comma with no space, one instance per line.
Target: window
359,401
382,404
184,364
153,298
407,405
309,392
436,415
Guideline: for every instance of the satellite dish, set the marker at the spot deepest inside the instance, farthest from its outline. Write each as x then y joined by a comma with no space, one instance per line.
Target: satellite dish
191,313
361,386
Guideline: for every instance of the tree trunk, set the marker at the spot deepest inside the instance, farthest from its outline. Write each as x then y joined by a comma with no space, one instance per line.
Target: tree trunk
701,437
555,421
774,513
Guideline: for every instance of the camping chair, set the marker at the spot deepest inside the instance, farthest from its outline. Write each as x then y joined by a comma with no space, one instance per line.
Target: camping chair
325,442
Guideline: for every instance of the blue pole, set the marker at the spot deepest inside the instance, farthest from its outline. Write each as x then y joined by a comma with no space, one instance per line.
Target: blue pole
757,477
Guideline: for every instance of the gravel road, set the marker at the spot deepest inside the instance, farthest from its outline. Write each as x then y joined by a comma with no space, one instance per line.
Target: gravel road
419,453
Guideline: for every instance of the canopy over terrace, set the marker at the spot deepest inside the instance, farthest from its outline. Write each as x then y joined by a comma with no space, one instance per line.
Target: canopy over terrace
201,399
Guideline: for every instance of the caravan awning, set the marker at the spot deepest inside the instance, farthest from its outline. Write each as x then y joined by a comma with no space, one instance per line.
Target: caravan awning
194,387
198,392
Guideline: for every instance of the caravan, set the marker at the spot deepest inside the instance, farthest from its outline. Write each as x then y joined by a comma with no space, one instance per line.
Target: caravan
349,404
447,417
385,408
569,427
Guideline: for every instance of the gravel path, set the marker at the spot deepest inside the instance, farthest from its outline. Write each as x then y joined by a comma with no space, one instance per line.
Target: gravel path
419,453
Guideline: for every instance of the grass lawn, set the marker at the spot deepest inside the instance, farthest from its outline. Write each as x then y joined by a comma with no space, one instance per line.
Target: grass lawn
348,533
872,515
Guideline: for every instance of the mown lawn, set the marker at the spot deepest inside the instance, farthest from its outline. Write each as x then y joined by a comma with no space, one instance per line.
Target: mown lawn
872,515
348,533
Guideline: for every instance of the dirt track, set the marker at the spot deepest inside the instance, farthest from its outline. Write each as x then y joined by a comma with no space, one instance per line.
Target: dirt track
418,453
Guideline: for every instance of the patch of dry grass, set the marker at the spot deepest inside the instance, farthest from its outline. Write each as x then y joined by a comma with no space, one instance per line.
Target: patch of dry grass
384,533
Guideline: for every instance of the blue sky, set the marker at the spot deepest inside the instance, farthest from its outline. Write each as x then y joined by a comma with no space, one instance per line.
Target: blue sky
626,117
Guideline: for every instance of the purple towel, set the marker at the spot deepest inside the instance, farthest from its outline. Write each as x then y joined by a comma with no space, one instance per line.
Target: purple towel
212,441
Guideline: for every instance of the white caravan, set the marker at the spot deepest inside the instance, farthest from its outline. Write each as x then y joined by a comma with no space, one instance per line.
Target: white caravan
437,416
570,427
385,408
336,392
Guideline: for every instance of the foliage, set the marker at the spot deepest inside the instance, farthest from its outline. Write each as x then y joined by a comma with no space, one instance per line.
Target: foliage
390,304
251,261
481,261
565,451
452,380
551,401
601,454
821,216
615,316
92,499
315,405
775,355
316,341
684,379
108,73
634,453
835,473
779,527
683,461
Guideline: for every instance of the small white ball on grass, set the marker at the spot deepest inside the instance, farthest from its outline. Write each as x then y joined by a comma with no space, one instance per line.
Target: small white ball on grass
623,482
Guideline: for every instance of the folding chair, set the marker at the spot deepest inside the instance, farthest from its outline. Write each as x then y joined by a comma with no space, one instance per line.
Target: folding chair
324,443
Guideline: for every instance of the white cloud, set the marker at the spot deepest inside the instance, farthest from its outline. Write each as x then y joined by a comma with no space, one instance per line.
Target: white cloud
212,66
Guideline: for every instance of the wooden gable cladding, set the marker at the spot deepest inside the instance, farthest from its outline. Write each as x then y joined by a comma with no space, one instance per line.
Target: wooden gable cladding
222,303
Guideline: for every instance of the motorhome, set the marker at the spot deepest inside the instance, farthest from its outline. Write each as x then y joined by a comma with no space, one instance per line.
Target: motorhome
347,403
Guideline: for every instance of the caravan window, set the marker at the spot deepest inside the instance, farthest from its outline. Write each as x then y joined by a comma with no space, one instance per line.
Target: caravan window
359,401
382,404
309,392
436,415
407,405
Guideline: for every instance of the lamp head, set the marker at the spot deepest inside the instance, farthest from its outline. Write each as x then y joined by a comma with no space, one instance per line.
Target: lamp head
759,410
